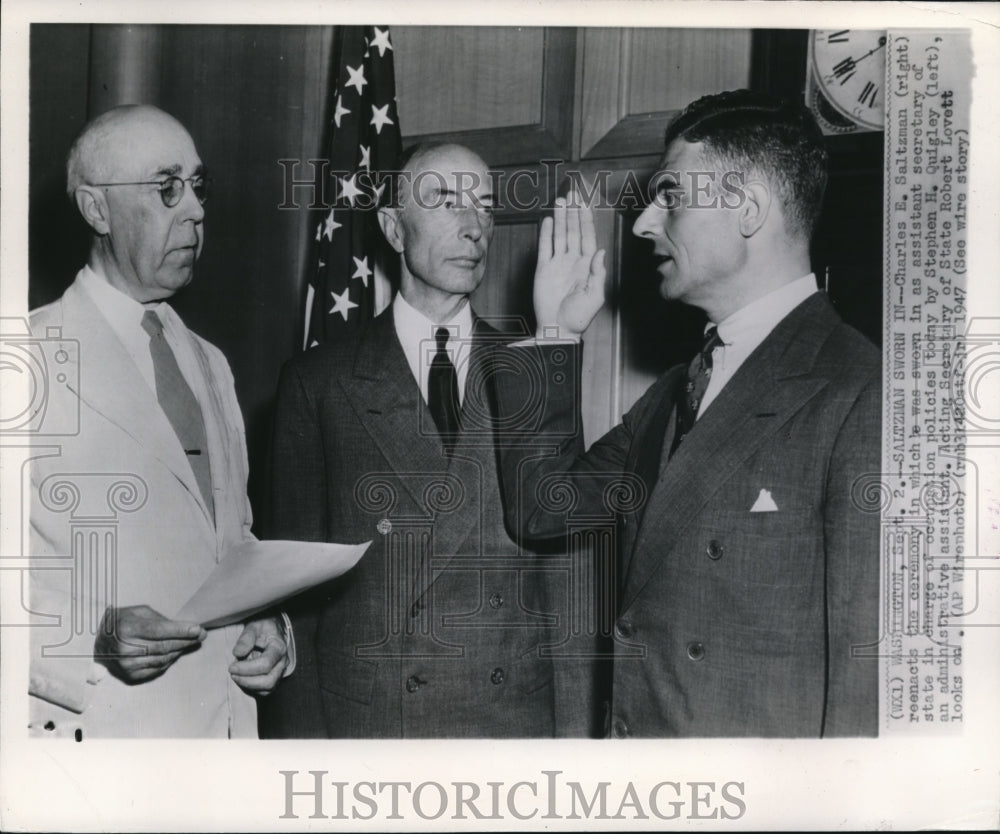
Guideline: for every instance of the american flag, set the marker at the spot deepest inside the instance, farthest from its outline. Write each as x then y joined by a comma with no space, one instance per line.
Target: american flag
363,139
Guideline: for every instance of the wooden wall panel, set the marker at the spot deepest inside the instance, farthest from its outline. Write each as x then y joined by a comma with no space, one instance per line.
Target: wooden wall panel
670,67
634,80
505,93
454,78
510,269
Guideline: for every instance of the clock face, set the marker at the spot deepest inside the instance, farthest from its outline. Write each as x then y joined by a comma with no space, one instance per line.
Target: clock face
849,67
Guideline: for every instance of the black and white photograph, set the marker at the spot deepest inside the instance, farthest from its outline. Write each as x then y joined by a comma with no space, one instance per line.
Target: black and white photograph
570,415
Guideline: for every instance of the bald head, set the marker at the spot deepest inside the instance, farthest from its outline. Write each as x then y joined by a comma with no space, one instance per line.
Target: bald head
137,180
108,141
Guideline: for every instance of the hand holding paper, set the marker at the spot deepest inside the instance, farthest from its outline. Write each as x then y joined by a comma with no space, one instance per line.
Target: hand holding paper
255,575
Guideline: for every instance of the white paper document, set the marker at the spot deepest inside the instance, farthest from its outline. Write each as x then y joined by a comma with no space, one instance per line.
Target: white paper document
254,575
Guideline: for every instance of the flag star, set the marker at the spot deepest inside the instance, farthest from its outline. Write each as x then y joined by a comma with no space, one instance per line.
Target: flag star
339,111
357,79
380,117
361,269
342,303
313,343
381,40
330,225
321,264
349,189
366,157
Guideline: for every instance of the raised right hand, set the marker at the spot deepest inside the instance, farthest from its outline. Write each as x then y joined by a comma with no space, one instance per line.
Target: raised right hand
569,276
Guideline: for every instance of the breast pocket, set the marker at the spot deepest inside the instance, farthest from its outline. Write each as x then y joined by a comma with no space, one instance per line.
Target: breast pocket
773,549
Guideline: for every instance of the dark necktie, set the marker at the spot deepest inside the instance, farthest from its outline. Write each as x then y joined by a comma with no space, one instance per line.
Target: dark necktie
691,392
180,405
442,392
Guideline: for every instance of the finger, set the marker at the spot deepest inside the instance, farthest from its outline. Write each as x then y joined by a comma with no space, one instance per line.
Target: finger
572,224
160,629
597,271
545,240
588,234
559,227
245,643
133,666
143,648
273,654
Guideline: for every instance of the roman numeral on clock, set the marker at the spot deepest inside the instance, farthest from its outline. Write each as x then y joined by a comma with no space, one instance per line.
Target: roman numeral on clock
838,37
844,70
868,94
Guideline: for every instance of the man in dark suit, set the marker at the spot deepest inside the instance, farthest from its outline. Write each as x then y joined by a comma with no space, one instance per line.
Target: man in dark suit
748,585
389,436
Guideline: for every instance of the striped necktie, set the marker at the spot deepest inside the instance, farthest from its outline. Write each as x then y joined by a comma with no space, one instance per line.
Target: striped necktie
691,392
180,405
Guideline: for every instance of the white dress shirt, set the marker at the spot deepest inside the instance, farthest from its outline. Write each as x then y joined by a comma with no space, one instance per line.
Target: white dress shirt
124,314
744,330
416,334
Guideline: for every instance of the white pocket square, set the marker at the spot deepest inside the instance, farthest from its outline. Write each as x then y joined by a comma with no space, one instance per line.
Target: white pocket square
764,503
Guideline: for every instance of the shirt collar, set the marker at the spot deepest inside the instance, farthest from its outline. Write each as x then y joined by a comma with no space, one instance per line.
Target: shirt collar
413,327
760,317
121,310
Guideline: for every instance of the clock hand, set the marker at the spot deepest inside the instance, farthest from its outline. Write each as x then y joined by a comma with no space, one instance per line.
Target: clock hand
881,43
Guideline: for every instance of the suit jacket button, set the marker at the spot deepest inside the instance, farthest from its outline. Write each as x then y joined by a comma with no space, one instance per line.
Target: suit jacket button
496,676
413,683
715,549
384,526
696,651
496,600
624,629
619,729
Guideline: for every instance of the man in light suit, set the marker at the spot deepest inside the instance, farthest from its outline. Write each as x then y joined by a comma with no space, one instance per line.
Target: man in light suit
748,585
130,513
438,632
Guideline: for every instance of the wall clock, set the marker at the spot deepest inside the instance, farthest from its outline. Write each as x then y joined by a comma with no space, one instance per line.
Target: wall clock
845,86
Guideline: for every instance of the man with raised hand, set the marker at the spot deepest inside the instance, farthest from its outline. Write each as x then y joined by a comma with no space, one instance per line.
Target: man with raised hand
747,585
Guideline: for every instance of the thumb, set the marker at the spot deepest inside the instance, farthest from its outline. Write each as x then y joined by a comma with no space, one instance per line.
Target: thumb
245,643
597,273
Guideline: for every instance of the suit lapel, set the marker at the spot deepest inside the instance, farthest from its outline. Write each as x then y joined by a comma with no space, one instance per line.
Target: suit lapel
770,386
112,385
388,404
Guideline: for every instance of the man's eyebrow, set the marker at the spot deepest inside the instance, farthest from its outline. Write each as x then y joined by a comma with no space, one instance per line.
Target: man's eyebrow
448,192
175,170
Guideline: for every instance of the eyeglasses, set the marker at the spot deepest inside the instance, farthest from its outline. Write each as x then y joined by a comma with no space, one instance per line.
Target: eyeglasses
171,189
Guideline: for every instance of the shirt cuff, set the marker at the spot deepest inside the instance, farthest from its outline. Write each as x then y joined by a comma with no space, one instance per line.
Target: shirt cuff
289,637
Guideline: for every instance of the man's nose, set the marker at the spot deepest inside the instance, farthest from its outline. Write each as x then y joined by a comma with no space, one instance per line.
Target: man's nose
472,224
646,226
190,205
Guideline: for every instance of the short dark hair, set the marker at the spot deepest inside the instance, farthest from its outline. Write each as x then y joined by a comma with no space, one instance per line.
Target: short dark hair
748,131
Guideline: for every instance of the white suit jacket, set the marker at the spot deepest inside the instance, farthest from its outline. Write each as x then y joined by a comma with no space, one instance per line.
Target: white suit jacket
117,518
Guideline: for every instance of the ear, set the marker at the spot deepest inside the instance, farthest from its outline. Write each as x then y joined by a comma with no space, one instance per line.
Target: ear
392,227
93,207
755,207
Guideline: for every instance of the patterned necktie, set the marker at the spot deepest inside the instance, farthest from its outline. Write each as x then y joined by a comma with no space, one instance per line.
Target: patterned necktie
442,392
180,405
690,393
